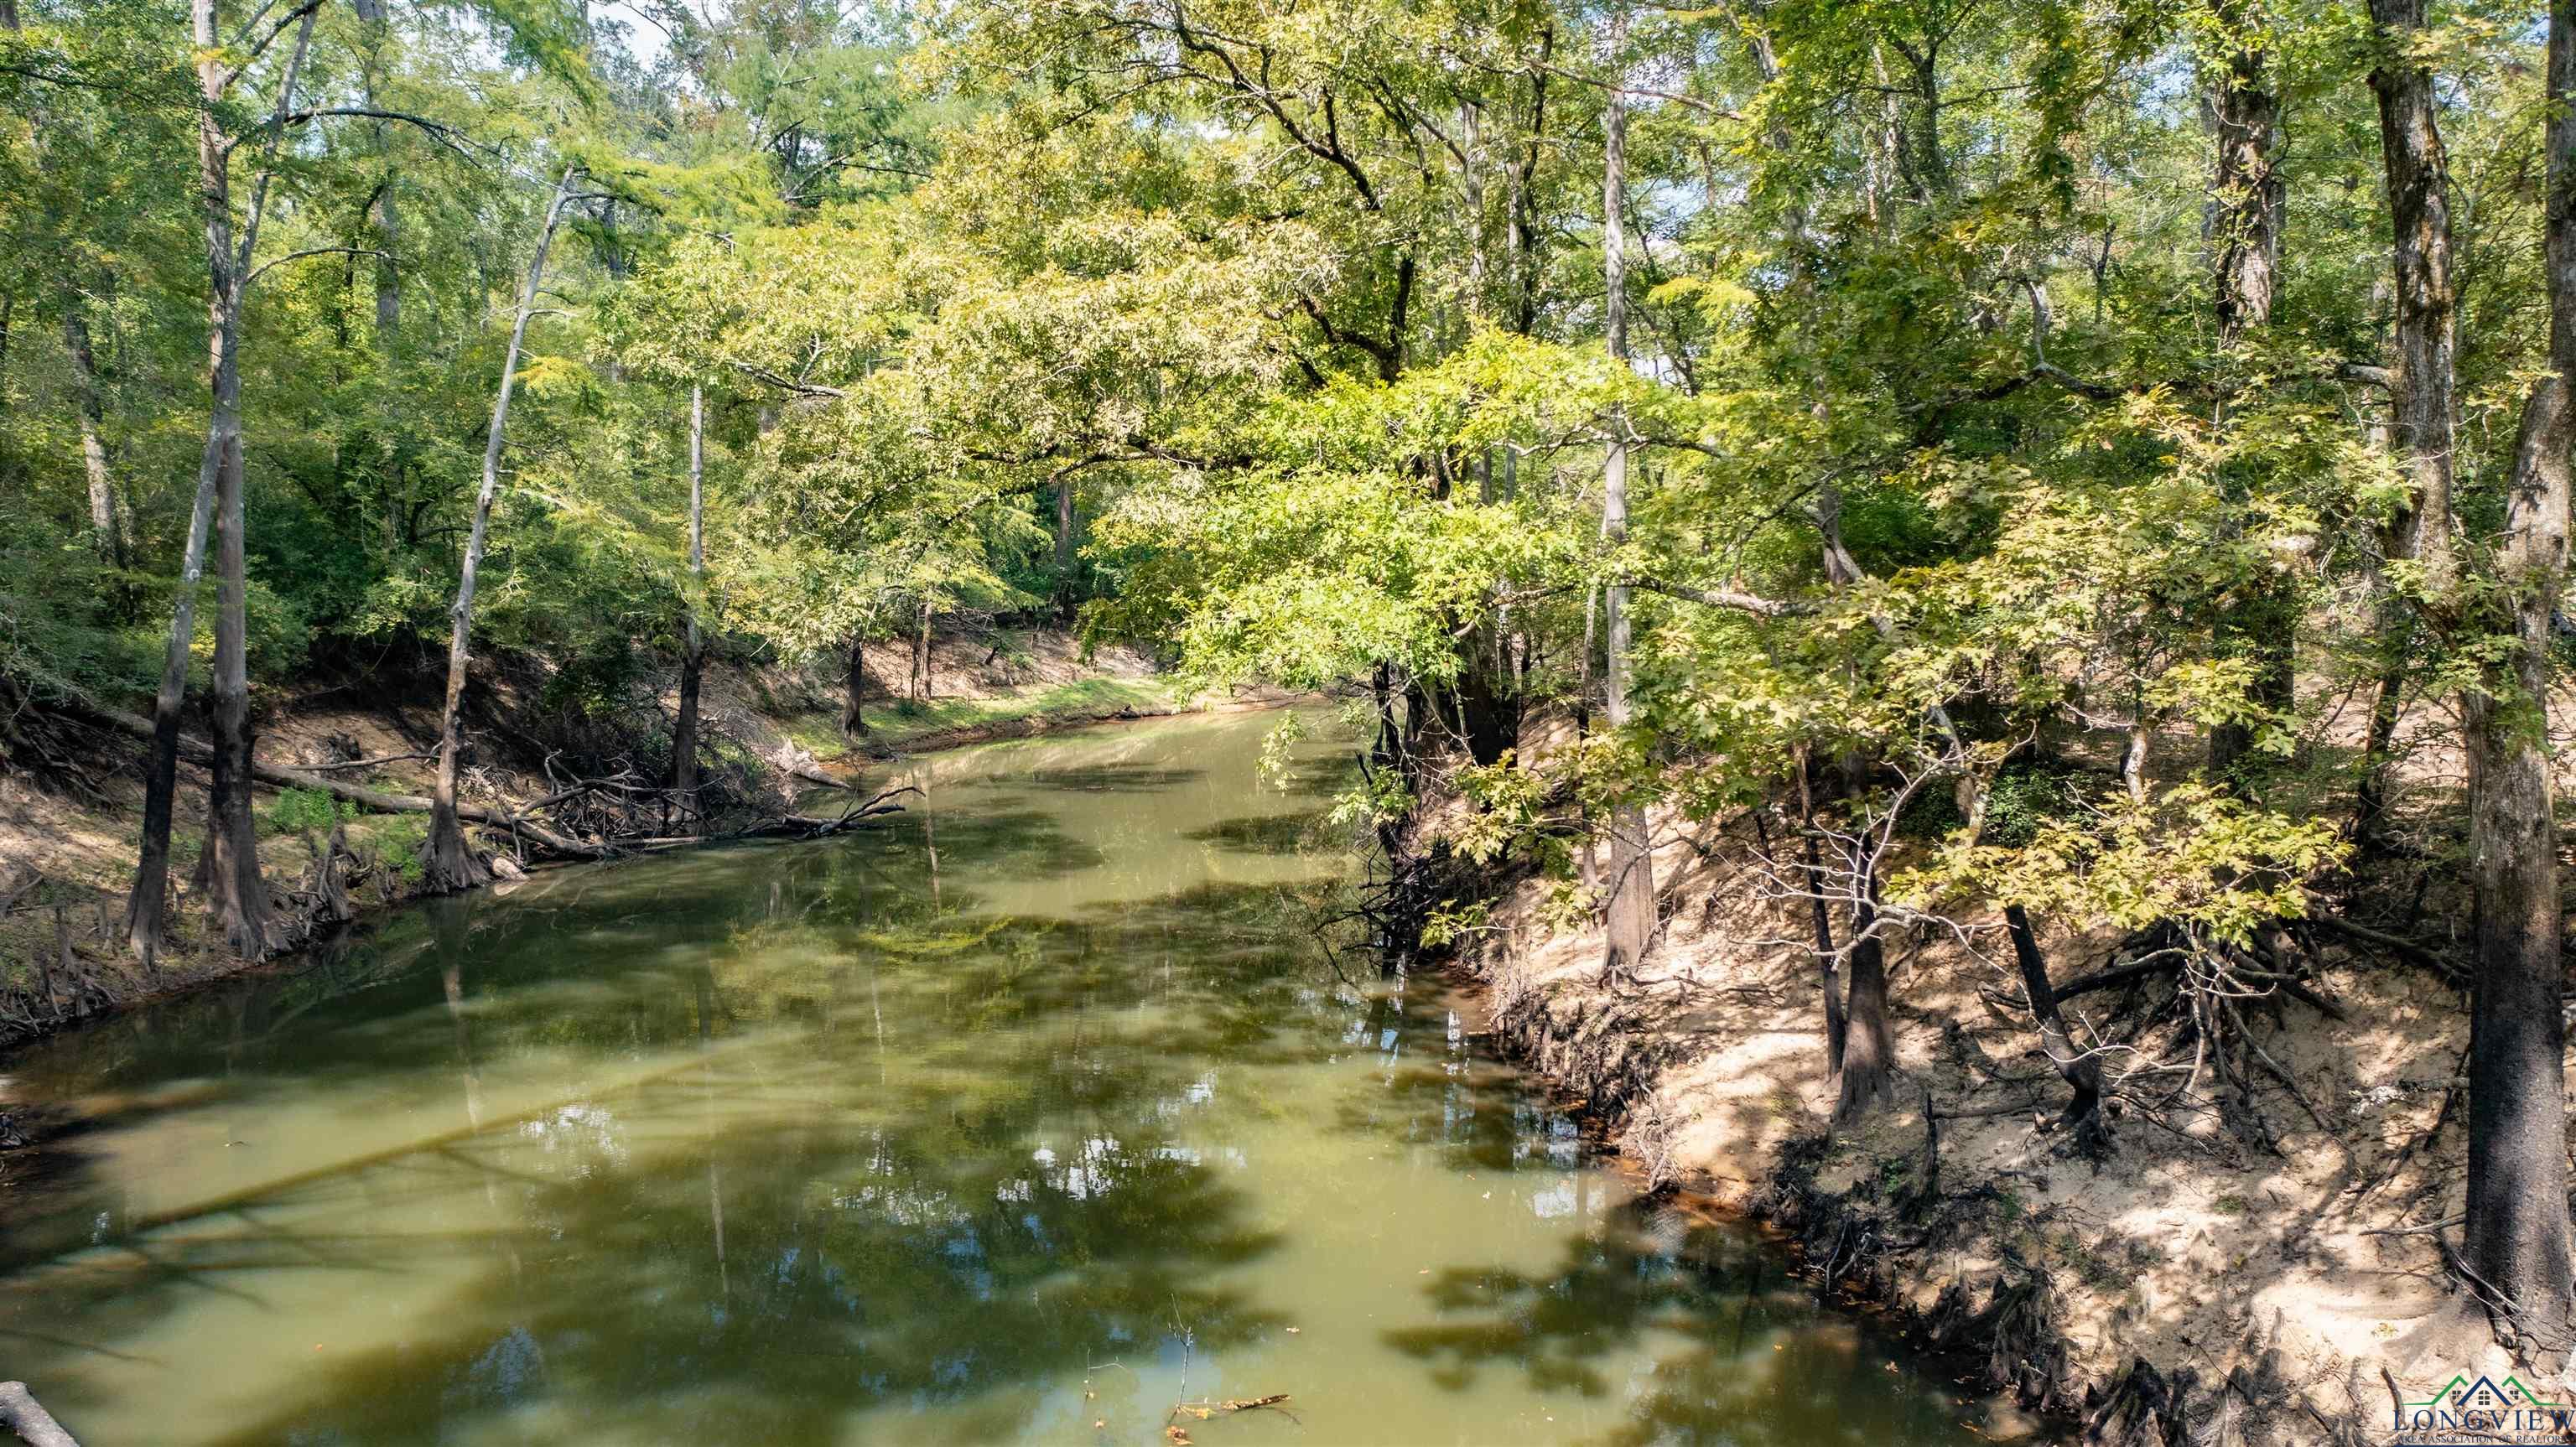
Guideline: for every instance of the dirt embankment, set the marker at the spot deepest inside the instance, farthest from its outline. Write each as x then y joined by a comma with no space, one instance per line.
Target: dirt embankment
70,810
2201,1282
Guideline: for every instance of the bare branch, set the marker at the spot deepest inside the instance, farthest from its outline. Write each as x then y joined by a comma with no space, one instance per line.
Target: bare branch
1740,601
264,267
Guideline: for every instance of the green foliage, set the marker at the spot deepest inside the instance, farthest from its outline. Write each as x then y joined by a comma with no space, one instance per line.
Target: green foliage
397,840
2189,855
301,811
1936,463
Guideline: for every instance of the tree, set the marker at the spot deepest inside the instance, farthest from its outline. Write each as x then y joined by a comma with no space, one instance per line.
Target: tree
445,858
1630,913
684,733
2515,1242
236,893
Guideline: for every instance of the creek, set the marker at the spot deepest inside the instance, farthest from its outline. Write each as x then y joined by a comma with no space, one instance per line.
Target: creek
1036,1112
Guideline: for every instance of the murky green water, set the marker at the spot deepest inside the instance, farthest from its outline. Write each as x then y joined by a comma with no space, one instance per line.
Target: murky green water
1022,1120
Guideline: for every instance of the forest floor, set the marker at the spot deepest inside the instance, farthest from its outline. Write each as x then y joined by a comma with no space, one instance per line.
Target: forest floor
67,842
2288,1289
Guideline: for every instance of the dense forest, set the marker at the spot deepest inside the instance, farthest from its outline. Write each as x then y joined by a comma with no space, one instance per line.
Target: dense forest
2105,461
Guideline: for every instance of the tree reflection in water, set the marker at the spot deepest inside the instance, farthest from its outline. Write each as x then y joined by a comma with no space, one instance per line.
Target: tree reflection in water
779,1146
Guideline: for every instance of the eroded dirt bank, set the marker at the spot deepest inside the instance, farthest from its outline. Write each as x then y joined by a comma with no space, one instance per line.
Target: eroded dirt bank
2265,1273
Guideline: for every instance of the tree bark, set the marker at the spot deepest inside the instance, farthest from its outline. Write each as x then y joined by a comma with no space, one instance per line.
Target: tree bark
23,1415
105,535
232,859
1869,1046
235,892
921,689
2262,623
448,863
2419,209
1064,518
1630,918
2250,188
854,722
684,733
2080,1069
2516,1239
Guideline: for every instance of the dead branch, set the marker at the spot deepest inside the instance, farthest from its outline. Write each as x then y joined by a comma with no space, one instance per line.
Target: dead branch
21,1413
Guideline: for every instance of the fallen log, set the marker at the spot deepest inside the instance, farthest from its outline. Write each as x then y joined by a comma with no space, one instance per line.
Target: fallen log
21,1413
2394,944
200,752
2160,963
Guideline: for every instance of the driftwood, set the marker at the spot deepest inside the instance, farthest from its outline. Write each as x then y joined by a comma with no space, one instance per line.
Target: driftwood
2395,944
810,826
365,763
1178,1436
21,1413
198,751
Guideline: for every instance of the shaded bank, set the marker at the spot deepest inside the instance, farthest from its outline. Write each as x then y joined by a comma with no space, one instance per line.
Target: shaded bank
344,774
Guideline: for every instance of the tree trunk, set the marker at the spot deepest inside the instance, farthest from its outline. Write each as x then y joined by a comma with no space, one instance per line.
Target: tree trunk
2262,623
1630,919
1523,237
2250,189
684,734
921,657
1869,1046
146,903
2419,210
235,892
374,30
105,535
2516,1240
242,909
2080,1069
1064,547
1820,918
1837,1026
854,722
447,862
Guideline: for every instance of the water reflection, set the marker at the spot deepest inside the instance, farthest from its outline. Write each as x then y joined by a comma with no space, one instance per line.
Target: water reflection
788,1146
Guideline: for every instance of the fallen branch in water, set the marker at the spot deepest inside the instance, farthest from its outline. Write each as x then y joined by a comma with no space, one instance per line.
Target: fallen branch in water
21,1413
809,826
1178,1436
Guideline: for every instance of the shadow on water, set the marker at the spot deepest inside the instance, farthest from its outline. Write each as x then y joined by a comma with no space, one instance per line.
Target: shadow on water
1020,843
1740,1350
1263,833
1111,778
